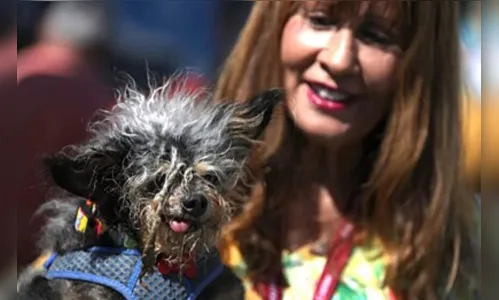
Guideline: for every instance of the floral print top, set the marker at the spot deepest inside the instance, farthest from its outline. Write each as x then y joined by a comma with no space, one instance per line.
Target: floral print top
361,279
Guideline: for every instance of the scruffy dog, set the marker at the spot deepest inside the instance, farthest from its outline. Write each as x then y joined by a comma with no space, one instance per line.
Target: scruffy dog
148,196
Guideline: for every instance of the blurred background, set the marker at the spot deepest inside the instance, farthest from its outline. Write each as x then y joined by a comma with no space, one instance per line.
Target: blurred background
127,36
72,55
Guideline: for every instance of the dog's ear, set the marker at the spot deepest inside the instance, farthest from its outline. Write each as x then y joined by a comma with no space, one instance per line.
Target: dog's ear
257,113
71,175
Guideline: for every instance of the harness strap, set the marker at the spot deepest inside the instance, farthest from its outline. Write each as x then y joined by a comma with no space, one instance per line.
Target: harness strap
119,270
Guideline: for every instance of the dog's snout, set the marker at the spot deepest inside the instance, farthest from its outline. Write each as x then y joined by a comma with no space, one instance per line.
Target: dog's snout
195,205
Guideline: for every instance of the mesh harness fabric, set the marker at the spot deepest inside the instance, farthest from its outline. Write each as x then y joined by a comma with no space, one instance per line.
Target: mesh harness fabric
119,270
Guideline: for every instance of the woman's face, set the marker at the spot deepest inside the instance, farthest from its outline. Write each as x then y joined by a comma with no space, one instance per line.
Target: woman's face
339,70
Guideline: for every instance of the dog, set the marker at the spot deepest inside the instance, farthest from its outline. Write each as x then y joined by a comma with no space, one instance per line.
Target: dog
146,198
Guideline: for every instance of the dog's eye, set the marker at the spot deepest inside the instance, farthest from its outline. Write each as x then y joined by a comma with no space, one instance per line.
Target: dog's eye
211,178
154,186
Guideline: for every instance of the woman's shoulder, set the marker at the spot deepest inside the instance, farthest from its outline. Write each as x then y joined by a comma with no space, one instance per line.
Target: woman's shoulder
232,257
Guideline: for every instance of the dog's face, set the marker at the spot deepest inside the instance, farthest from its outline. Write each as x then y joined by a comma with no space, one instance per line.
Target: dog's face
172,165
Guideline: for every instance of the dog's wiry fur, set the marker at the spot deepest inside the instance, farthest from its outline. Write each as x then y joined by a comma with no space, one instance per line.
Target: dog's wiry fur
145,156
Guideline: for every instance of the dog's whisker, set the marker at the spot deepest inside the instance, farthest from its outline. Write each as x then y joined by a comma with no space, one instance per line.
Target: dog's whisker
206,248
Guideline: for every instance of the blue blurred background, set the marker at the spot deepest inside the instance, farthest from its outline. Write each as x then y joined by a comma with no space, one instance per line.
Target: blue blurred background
164,35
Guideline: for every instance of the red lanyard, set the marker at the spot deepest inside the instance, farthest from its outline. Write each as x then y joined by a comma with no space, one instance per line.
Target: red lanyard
336,262
337,259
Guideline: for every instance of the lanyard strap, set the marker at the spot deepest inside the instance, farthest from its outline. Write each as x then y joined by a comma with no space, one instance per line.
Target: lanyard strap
337,259
336,262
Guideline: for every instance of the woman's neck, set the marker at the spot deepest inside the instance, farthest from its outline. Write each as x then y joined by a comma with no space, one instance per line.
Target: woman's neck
333,168
320,193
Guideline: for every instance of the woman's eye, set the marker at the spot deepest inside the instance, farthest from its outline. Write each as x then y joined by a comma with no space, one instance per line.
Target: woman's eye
376,37
373,33
320,20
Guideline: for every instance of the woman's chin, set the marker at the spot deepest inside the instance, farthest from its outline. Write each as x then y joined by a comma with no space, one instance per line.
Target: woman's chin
316,125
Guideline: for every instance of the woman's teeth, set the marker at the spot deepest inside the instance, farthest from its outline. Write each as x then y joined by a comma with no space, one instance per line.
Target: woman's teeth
329,94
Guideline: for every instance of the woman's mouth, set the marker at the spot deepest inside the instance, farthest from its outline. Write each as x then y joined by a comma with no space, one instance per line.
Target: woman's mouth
328,99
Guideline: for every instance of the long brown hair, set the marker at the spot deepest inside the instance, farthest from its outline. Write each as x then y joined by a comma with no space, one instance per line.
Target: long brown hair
417,205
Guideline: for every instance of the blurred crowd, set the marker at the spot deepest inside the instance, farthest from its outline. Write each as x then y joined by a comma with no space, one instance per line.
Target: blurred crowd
128,37
71,56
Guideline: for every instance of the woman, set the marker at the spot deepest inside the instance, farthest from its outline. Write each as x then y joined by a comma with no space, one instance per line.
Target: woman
367,150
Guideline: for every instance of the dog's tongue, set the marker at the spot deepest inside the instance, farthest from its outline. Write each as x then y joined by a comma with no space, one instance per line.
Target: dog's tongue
179,226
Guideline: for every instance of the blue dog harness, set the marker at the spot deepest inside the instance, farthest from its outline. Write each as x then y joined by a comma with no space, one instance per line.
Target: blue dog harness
119,269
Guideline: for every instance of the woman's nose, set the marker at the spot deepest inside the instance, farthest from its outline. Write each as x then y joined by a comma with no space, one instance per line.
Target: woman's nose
339,56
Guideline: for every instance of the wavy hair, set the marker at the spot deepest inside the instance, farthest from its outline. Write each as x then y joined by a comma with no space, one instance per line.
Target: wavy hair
412,195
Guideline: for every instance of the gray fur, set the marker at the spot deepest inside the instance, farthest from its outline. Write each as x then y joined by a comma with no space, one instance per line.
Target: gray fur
145,156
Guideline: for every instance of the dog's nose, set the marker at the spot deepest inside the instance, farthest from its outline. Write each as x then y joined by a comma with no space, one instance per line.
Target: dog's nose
195,205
